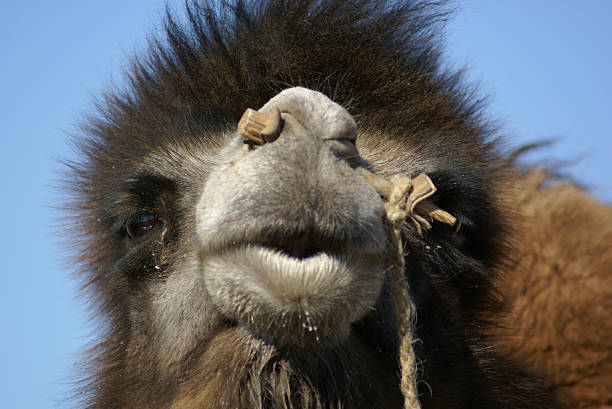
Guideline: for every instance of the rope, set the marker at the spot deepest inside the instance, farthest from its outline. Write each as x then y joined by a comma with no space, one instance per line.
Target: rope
405,309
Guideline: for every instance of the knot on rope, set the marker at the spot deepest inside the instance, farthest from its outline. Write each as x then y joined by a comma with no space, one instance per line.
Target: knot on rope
406,194
395,208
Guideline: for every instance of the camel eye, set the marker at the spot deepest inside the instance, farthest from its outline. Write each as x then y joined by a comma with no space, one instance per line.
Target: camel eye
141,225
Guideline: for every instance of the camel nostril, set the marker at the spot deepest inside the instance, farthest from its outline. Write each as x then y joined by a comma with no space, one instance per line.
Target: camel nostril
343,148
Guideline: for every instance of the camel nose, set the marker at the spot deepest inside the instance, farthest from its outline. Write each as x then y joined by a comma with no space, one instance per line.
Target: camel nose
312,111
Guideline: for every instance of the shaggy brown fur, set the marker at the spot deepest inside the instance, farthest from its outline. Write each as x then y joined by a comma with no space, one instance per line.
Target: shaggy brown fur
560,290
154,161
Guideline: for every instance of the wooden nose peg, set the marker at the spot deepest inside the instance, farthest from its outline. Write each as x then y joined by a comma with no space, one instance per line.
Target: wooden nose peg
258,128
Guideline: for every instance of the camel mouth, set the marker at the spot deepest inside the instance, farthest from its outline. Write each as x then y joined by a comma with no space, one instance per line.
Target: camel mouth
297,275
297,243
302,247
290,296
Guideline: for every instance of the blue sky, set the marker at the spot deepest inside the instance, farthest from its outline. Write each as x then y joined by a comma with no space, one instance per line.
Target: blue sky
546,66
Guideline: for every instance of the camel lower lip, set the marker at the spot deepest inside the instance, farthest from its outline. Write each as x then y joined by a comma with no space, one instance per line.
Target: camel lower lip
281,296
282,275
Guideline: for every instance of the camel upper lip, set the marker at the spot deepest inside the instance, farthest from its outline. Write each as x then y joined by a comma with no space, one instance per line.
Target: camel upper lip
298,246
295,243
